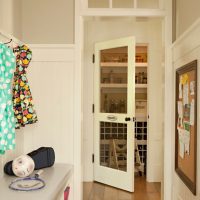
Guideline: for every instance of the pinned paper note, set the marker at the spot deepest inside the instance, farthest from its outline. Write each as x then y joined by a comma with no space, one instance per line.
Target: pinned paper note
187,141
184,79
181,143
185,94
184,142
180,109
192,87
181,149
181,80
180,91
180,114
192,113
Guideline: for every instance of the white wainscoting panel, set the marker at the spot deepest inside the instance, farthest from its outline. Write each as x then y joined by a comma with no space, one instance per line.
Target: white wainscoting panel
185,50
50,76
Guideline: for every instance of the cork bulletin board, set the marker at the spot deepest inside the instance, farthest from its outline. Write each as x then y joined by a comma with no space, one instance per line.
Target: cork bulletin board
186,124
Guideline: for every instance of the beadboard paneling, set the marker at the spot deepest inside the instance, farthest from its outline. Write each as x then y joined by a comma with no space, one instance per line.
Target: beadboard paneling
185,50
50,76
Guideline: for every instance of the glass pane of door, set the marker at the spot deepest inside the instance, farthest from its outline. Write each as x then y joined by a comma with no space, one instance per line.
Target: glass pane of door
123,4
113,86
148,4
113,145
98,3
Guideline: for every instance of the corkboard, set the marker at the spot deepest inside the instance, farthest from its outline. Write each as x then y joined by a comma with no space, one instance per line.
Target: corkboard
186,124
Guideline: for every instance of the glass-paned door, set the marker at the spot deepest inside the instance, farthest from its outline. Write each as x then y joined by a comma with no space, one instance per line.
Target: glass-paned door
114,111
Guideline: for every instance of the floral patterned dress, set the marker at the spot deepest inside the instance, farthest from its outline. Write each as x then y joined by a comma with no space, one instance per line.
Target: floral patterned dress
7,120
22,98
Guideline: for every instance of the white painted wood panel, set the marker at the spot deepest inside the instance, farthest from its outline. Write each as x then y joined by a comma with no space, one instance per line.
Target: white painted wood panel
116,178
52,87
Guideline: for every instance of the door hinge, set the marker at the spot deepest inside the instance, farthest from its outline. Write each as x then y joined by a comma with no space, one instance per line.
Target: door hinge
93,109
148,116
93,58
92,158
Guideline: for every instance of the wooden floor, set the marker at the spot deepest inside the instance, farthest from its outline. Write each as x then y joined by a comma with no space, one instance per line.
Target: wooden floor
143,191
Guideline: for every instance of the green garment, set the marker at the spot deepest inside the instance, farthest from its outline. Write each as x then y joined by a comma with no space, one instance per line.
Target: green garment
7,120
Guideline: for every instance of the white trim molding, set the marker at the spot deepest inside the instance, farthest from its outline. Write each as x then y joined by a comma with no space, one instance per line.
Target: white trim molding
133,12
188,41
168,105
78,76
53,52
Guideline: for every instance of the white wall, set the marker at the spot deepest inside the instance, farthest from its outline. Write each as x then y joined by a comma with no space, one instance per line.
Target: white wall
186,12
185,50
10,17
149,31
48,21
39,22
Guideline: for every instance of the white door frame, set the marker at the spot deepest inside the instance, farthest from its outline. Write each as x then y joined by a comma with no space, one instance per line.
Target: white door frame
168,106
167,187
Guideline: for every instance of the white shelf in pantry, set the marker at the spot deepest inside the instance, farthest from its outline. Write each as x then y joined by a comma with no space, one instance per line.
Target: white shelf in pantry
113,85
114,64
145,100
122,85
141,85
141,64
121,64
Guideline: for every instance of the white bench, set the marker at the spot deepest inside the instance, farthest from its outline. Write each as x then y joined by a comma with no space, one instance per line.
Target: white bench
57,178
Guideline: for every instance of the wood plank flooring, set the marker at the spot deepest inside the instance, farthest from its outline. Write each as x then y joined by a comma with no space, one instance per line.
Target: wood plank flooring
143,191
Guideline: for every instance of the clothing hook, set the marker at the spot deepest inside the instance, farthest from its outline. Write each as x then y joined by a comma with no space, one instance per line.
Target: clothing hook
8,42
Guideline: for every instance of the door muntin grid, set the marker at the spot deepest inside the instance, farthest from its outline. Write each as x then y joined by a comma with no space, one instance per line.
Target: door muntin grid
150,4
141,136
113,145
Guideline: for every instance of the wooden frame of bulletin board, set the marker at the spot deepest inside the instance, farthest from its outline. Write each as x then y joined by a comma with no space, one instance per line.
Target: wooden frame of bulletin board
186,124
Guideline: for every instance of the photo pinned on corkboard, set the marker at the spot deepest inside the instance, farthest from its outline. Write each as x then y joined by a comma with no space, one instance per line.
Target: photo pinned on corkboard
186,124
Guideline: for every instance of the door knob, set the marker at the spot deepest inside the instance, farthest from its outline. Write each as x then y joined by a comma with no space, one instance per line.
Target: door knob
127,119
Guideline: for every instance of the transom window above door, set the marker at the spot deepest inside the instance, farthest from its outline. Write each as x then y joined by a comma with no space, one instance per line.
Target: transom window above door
140,4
